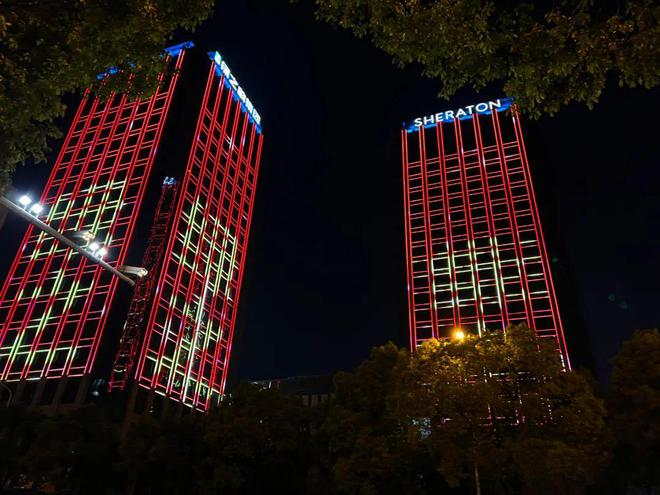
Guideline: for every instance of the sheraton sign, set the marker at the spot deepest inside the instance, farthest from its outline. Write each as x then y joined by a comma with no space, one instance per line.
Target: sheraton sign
464,113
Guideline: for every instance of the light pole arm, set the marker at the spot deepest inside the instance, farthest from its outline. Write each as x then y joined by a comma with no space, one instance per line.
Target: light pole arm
44,227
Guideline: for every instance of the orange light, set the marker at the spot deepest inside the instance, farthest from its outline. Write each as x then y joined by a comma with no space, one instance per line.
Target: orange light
458,334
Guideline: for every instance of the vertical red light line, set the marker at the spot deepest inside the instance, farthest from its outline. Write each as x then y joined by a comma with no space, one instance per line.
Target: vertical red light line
547,274
469,224
236,251
451,272
215,176
409,265
428,240
489,219
225,302
213,126
524,287
242,263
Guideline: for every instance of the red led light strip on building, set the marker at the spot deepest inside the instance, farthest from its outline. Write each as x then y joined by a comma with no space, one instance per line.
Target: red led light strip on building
138,311
476,257
54,303
188,338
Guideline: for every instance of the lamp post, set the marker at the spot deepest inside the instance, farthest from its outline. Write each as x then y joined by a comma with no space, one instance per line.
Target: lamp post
81,242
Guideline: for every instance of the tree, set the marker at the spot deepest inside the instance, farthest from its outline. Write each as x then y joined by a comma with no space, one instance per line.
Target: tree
75,452
635,408
160,455
17,426
545,54
367,452
256,442
52,47
499,411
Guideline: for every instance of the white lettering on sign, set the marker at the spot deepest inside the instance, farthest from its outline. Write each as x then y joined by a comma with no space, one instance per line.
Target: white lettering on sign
233,83
462,113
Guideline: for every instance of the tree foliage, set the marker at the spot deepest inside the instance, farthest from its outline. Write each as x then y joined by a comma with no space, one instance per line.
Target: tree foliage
545,54
367,450
635,408
501,410
74,452
498,412
258,442
17,427
52,47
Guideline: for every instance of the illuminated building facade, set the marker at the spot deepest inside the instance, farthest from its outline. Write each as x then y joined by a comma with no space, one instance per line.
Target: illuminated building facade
188,338
143,293
54,303
176,341
476,257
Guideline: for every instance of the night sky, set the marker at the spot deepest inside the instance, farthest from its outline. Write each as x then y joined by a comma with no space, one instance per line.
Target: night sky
325,275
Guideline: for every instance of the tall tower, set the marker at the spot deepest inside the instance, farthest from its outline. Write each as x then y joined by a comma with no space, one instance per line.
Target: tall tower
54,303
188,337
476,257
176,342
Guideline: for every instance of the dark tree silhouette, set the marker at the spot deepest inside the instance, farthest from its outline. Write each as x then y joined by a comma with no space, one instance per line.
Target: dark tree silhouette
52,47
545,54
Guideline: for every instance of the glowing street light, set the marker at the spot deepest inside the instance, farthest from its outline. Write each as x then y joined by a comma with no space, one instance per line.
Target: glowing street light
133,271
37,208
82,242
458,334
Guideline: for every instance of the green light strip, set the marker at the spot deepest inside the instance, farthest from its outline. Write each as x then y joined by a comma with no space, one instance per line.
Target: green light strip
216,282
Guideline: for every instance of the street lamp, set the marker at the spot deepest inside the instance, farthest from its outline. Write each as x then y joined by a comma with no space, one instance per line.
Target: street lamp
37,208
24,200
81,242
134,271
458,334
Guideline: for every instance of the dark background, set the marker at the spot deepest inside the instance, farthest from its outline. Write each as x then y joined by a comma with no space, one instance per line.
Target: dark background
325,275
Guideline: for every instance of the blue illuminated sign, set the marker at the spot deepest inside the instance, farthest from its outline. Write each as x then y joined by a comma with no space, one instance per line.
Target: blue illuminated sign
465,113
222,69
172,51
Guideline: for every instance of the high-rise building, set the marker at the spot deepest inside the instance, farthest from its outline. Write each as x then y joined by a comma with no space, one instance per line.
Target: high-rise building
188,337
54,304
476,257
